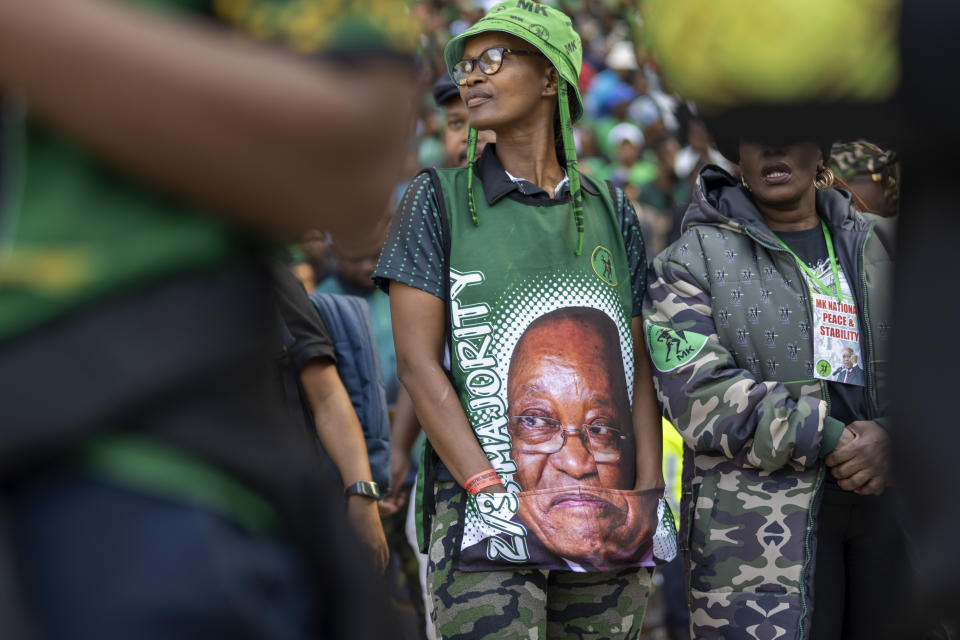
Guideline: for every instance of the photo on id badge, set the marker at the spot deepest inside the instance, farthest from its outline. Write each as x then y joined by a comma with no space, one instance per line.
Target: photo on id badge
836,331
573,449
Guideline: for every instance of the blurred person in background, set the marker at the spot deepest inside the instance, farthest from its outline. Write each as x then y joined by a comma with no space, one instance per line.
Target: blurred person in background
790,464
318,401
165,475
316,247
666,194
464,239
588,151
352,275
615,79
698,153
613,111
446,94
870,172
652,110
628,170
430,151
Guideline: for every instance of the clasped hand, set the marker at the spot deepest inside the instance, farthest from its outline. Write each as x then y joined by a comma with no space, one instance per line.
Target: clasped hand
860,462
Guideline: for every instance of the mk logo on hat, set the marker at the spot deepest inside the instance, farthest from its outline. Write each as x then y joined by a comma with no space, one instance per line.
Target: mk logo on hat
532,7
540,30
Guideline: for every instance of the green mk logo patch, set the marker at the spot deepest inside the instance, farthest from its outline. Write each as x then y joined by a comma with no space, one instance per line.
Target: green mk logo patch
671,349
823,368
602,262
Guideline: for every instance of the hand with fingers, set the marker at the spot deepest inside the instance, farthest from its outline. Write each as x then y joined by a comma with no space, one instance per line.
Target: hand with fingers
861,460
363,517
396,498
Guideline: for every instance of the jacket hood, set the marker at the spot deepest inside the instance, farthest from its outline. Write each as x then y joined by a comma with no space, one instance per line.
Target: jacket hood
719,199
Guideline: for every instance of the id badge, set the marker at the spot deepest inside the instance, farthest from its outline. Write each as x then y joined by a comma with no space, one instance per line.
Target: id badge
836,340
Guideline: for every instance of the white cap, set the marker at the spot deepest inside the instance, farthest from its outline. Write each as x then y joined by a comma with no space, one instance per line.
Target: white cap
621,56
625,131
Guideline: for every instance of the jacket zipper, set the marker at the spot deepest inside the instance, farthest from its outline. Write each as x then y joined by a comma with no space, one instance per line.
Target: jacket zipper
822,468
871,392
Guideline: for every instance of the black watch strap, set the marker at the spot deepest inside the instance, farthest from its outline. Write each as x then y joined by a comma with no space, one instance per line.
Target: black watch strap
363,488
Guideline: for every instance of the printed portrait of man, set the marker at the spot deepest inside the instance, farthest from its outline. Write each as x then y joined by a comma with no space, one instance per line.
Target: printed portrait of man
572,438
850,372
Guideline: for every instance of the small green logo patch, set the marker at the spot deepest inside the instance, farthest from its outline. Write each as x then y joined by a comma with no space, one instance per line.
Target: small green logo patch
602,261
670,349
823,368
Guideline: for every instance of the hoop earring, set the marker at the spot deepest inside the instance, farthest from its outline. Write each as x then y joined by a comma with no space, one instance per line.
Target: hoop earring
824,178
744,182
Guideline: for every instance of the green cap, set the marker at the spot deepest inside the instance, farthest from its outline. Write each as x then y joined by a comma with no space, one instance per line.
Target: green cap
546,28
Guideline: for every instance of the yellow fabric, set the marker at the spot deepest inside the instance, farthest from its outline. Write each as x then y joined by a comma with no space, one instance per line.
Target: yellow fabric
672,465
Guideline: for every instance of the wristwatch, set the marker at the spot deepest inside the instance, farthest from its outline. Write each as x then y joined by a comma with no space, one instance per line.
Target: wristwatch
363,488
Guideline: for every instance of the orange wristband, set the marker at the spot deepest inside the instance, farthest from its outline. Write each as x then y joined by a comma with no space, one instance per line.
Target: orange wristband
482,480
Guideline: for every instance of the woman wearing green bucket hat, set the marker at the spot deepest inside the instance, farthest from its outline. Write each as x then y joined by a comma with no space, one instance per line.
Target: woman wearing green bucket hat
516,288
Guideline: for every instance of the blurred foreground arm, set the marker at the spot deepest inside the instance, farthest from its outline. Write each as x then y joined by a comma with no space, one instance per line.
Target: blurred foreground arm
262,137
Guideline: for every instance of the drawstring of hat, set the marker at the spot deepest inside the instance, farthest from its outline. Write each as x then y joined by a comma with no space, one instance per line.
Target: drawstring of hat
570,151
471,151
570,155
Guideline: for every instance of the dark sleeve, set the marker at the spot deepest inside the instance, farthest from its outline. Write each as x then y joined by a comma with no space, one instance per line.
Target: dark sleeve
413,251
636,253
311,339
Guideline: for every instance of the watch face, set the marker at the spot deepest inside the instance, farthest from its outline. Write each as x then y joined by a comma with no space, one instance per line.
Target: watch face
363,488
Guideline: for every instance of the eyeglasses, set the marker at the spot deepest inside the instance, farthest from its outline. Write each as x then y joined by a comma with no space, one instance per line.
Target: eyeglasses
537,434
489,62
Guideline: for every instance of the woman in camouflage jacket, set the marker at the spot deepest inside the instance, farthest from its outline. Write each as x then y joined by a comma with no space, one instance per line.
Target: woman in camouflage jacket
729,321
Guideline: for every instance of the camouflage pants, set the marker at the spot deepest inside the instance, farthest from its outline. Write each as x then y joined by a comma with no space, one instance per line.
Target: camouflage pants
529,604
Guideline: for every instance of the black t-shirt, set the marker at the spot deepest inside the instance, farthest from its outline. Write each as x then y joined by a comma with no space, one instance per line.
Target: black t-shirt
311,339
847,402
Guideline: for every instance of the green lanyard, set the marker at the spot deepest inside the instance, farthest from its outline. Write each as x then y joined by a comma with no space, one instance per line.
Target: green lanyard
807,270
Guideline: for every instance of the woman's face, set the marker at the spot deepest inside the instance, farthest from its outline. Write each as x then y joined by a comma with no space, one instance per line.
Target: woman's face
513,93
779,175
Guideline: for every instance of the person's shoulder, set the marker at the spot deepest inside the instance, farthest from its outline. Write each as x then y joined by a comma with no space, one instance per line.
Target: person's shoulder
625,213
441,179
420,194
621,203
422,179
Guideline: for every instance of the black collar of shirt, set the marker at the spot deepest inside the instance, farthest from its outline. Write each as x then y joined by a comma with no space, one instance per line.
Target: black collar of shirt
497,184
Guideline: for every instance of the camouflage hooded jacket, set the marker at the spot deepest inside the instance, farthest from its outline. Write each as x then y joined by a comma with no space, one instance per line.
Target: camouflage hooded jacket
728,325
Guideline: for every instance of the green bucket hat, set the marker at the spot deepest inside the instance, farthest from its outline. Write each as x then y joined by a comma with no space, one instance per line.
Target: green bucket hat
548,29
551,32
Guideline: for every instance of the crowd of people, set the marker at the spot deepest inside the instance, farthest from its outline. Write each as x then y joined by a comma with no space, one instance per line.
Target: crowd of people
448,320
